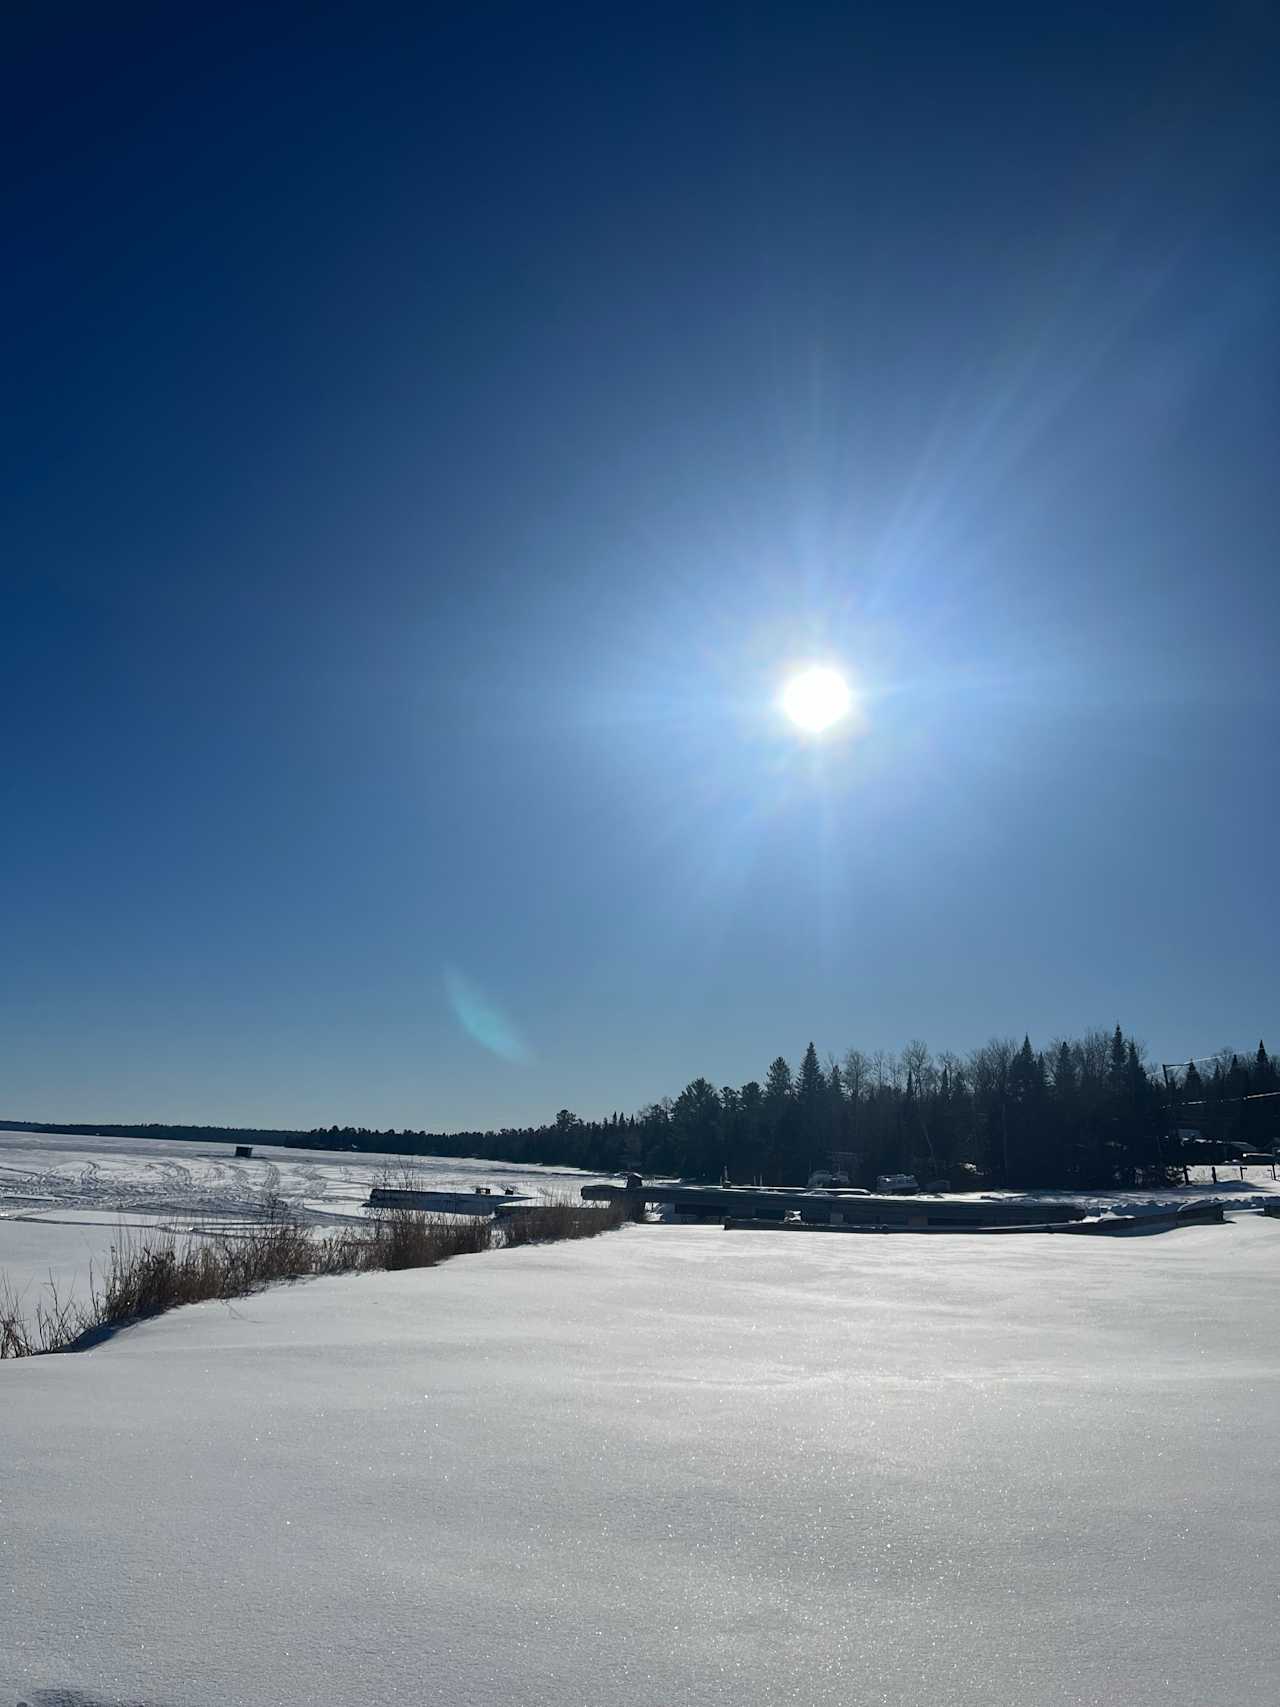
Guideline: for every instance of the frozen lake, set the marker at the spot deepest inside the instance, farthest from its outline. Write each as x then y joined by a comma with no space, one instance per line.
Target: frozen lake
668,1465
63,1199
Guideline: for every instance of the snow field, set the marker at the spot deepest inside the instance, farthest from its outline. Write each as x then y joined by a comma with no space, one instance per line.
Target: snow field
668,1465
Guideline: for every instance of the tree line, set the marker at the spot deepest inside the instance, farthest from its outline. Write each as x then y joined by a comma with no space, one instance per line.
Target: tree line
1086,1112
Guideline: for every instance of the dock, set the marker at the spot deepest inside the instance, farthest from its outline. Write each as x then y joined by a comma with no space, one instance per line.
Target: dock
481,1200
785,1206
741,1209
1157,1221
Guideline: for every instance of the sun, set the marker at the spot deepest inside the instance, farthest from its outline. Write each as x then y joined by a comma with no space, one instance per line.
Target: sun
817,698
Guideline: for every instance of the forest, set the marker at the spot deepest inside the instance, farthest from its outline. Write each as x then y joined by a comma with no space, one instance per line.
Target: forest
1083,1113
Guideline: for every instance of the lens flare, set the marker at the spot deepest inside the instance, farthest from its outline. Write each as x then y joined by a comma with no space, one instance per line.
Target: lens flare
484,1022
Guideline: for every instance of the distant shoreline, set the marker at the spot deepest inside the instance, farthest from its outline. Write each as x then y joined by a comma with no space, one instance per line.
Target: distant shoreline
455,1145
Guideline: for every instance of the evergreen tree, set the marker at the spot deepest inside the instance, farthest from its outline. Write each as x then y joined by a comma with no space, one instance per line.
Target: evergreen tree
695,1121
777,1087
749,1161
1116,1063
779,1100
812,1130
810,1084
1264,1078
1026,1113
1260,1111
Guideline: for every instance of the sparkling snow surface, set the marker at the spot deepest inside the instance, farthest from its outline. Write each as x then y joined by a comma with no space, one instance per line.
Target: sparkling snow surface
670,1465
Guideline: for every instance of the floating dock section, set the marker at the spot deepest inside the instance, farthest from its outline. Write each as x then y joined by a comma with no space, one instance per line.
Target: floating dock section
1155,1221
744,1208
769,1206
483,1200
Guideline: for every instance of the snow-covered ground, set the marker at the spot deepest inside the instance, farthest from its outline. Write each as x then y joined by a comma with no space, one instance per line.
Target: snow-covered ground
669,1465
63,1200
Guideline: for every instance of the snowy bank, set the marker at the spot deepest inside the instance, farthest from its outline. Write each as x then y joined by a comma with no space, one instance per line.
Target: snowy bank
670,1465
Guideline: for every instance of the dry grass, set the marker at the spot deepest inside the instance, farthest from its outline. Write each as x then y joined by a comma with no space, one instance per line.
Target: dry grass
561,1218
149,1273
411,1238
55,1322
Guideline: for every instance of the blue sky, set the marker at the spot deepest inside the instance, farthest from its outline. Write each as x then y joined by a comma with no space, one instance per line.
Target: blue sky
432,439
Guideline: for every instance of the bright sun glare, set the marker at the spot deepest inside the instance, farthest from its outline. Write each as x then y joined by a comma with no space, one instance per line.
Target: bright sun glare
816,698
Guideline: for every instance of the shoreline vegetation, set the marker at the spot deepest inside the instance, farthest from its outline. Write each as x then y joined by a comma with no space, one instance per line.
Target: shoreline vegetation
148,1274
1085,1113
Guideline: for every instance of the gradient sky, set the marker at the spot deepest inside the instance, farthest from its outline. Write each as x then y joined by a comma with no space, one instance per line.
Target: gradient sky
432,434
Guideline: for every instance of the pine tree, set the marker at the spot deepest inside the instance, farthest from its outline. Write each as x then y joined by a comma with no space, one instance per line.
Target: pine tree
696,1119
811,1100
1026,1113
1116,1061
1264,1074
813,1092
779,1108
777,1085
749,1160
809,1086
